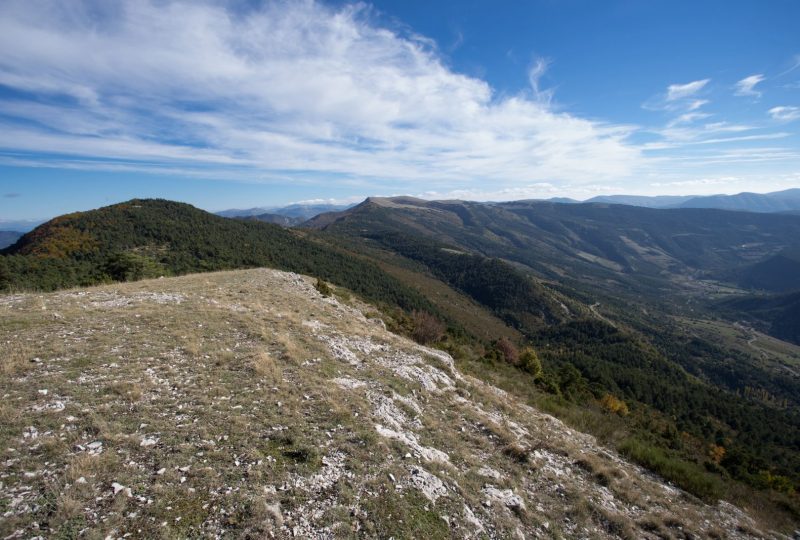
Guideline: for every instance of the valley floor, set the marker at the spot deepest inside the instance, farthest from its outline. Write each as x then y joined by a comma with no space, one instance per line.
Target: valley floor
247,404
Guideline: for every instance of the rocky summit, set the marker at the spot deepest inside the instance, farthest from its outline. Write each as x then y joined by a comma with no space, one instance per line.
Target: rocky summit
248,404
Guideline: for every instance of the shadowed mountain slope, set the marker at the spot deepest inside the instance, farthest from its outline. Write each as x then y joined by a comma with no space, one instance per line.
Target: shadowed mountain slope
608,246
779,315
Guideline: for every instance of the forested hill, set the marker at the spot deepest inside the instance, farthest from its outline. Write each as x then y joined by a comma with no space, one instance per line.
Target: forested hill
595,241
153,237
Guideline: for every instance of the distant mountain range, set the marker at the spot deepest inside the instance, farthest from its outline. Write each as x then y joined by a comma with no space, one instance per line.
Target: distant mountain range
300,212
658,201
787,201
21,225
778,201
9,237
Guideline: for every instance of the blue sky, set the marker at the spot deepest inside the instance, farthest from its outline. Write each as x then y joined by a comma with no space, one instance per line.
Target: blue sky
246,103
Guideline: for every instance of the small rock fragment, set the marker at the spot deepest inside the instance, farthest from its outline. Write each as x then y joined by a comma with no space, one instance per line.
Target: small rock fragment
149,441
117,487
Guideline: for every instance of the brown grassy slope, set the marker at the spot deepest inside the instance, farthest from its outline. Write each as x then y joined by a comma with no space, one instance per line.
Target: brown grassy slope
245,404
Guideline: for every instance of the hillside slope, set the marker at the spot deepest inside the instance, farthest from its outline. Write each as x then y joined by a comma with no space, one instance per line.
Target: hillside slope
778,314
609,247
152,237
778,273
277,219
628,280
246,404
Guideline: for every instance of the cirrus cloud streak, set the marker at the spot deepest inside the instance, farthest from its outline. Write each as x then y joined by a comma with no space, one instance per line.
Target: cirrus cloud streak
287,89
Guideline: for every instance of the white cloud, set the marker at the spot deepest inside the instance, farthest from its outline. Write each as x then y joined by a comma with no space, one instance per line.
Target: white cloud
683,132
723,181
785,114
746,86
680,100
695,104
538,190
535,73
795,63
288,90
758,137
337,202
687,118
681,91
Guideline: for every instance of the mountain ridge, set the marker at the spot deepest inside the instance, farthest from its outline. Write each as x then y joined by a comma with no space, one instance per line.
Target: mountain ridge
289,413
612,243
297,210
787,200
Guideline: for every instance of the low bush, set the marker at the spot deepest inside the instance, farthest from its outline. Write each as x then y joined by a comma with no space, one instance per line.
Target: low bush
685,474
426,328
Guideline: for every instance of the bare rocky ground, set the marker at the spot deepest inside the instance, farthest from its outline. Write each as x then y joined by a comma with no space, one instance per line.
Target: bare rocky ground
244,404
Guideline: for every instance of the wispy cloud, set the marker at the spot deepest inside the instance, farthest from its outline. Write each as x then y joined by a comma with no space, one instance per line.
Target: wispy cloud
716,156
681,100
719,181
681,91
785,114
687,118
337,202
285,90
539,190
795,63
536,71
747,86
678,134
309,93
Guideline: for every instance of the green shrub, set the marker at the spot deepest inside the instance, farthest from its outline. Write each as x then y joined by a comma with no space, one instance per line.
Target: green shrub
127,266
323,288
684,474
529,361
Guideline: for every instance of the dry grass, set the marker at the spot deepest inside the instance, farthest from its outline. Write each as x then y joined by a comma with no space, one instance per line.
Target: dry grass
211,400
601,472
265,366
517,452
126,390
16,357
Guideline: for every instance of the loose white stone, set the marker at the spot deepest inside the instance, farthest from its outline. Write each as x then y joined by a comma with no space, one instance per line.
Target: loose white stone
149,441
117,487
